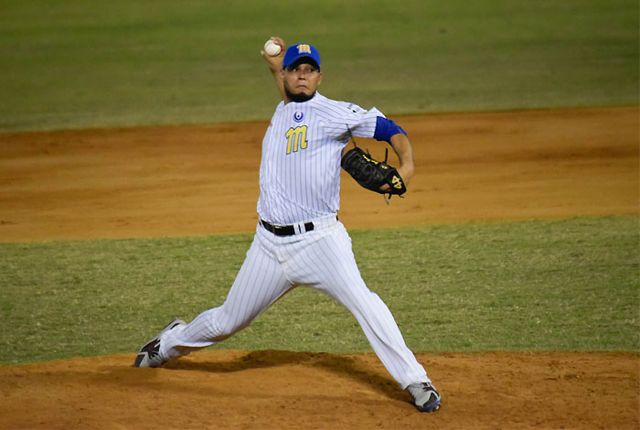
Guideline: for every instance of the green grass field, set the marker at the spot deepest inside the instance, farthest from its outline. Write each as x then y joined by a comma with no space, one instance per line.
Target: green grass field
76,64
538,285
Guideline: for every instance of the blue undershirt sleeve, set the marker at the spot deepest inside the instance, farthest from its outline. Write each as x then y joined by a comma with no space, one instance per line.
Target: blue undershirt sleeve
385,129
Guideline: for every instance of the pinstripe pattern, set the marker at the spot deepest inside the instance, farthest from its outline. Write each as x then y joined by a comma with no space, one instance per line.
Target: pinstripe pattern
301,184
260,282
305,184
321,259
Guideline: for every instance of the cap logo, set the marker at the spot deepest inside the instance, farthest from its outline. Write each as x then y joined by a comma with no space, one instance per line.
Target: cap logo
304,49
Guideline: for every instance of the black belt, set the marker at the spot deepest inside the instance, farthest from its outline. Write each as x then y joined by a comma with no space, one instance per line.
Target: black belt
285,230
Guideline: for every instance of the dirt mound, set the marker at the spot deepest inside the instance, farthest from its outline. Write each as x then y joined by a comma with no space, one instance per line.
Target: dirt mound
290,390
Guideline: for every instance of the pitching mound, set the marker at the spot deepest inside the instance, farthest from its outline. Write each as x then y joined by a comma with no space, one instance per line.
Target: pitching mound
290,390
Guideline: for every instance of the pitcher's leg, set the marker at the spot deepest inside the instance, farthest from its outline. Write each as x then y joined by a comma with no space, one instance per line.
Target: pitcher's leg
342,281
259,283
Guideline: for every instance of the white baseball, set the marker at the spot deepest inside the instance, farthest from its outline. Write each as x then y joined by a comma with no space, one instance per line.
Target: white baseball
271,48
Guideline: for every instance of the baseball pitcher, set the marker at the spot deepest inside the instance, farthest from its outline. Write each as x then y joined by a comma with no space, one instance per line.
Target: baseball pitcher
298,238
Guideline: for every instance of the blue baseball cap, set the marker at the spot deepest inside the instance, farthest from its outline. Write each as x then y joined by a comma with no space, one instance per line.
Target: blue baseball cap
298,51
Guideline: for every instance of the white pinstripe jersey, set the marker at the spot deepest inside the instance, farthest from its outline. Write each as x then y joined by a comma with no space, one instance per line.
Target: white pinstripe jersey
301,152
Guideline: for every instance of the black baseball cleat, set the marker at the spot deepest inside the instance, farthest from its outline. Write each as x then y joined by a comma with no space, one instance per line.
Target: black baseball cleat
425,396
149,354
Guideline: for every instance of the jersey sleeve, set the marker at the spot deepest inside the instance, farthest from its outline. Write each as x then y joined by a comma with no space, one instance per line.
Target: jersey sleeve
342,119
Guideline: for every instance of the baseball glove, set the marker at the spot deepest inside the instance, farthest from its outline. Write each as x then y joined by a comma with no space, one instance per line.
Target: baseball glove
372,174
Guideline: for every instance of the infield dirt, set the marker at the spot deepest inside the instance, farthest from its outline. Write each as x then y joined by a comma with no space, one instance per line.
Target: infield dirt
198,180
195,180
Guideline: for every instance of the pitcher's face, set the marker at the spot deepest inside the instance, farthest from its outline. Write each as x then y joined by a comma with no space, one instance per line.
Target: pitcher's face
301,81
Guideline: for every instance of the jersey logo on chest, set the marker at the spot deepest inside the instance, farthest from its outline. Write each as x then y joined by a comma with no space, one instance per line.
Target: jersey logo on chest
296,138
298,116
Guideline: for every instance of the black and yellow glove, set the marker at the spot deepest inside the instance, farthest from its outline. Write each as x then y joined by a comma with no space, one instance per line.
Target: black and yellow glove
372,174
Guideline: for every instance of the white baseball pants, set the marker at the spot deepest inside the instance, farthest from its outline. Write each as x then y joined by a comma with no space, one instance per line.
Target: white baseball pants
321,259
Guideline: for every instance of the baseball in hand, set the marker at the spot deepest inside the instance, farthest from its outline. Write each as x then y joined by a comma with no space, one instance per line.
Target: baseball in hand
271,48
